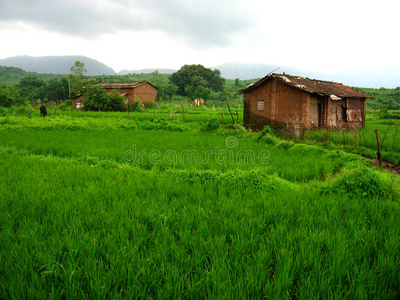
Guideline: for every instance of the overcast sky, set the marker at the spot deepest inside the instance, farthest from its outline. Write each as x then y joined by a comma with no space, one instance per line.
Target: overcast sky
322,36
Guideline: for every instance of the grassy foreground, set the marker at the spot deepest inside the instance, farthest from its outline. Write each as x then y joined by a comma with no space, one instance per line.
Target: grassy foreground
79,221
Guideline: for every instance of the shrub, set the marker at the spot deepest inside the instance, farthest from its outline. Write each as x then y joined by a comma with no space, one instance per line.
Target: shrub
266,131
358,182
210,125
269,139
150,104
384,114
240,128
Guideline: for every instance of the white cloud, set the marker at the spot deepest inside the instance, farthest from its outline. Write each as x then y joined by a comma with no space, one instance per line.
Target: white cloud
323,36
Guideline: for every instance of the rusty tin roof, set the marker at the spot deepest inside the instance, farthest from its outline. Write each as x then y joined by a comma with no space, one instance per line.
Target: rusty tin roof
312,86
123,85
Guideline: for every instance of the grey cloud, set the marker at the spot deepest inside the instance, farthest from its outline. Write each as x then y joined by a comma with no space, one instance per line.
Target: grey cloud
200,23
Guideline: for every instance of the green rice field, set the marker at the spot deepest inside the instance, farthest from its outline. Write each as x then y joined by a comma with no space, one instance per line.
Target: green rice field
109,207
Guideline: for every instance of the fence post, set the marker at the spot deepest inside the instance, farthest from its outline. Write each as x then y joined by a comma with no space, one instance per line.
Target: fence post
379,147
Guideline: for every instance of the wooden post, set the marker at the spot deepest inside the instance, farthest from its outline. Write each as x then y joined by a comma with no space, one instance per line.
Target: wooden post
227,104
183,113
100,113
344,138
379,147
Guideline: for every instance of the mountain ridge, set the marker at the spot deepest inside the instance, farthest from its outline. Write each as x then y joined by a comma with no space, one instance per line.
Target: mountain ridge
370,77
56,64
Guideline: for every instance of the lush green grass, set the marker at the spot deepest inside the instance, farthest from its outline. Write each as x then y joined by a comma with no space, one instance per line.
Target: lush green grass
77,220
178,150
76,231
361,141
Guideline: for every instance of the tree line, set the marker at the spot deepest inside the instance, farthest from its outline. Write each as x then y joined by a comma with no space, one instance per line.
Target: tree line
189,82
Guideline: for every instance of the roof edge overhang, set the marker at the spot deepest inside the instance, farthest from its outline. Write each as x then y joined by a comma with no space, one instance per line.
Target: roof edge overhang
283,79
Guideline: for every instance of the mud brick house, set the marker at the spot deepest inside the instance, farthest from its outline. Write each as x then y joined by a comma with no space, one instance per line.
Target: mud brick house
278,99
142,91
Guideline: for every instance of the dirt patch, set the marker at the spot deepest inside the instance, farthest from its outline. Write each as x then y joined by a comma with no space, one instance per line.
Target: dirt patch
395,169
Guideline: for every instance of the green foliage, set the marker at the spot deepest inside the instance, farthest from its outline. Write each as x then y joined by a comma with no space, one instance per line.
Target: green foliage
72,209
358,181
190,77
167,90
384,113
150,104
12,75
210,125
202,93
32,88
240,128
9,95
382,98
266,131
56,89
116,101
96,98
78,68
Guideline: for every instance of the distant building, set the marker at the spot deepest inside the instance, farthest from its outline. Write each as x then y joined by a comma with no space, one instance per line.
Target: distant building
282,99
142,91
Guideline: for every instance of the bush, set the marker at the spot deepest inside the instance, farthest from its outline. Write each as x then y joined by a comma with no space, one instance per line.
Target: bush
358,182
96,98
384,114
210,125
66,105
266,131
240,128
150,104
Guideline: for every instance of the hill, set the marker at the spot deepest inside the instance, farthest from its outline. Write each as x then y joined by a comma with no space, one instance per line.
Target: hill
56,64
146,71
12,75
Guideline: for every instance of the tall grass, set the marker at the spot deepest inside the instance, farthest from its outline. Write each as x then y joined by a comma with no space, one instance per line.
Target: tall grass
75,231
177,150
79,220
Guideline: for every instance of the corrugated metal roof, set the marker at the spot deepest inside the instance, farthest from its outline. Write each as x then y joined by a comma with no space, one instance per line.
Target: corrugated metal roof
312,86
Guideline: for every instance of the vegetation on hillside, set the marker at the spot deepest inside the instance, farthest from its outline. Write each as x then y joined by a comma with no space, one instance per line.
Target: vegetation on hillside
191,81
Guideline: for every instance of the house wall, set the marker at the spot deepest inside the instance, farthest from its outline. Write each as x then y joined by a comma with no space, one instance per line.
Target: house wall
356,110
145,93
282,104
315,110
292,105
337,112
251,114
77,100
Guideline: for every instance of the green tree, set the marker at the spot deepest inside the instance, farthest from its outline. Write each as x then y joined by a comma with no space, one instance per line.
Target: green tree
190,77
78,68
9,95
97,98
76,78
56,89
167,90
32,88
157,79
202,92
